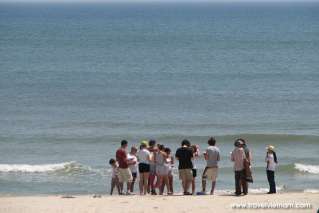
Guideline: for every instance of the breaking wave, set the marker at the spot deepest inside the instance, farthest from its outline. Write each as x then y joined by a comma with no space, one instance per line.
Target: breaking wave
27,168
312,169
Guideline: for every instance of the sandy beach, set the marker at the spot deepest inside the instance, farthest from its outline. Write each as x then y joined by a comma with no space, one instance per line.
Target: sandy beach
167,204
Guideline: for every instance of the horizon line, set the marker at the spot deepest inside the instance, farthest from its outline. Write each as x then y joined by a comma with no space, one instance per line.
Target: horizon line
159,1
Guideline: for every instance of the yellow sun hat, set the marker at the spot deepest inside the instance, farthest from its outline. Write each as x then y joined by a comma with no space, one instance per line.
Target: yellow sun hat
144,143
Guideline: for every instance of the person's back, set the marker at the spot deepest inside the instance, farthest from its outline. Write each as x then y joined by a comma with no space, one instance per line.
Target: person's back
159,159
238,156
121,157
213,156
184,155
143,156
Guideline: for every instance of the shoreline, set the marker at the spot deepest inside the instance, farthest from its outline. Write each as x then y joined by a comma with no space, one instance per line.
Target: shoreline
149,203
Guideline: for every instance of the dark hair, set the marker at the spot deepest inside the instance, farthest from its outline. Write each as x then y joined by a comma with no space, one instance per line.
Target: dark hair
243,140
186,142
124,142
160,147
194,148
134,148
275,156
237,143
152,143
112,161
211,141
167,150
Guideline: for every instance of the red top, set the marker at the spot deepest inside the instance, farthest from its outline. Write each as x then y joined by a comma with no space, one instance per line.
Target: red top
121,157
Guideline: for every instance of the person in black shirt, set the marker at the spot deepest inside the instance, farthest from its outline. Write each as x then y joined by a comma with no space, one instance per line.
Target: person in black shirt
184,155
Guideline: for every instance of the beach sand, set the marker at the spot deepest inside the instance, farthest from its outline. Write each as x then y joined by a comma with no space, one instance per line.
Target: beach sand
135,204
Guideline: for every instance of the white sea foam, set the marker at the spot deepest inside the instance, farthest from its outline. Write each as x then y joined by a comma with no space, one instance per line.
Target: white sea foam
313,169
316,191
27,168
250,190
264,190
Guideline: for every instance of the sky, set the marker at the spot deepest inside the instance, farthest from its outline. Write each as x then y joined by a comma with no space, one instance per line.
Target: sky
132,1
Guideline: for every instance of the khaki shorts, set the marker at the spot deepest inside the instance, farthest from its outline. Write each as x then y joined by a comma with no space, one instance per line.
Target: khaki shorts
125,175
211,174
186,174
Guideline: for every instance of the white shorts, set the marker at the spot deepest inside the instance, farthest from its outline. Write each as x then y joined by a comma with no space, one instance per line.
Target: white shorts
211,174
125,175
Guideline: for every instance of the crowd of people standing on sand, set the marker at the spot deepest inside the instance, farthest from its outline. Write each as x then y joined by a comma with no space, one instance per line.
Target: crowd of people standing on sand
154,163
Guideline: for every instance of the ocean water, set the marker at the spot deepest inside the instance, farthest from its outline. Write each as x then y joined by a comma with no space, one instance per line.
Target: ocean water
75,79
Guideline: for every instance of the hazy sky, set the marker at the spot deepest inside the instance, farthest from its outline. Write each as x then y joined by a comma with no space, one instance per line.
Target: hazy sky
70,1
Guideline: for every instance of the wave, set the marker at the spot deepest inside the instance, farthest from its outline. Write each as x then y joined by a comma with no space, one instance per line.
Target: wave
314,191
251,138
173,138
27,168
312,169
281,168
250,190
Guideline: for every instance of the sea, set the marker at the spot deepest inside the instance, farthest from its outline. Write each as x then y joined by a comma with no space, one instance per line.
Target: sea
77,78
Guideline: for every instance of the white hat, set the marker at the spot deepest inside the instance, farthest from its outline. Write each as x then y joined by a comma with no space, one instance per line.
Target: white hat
270,147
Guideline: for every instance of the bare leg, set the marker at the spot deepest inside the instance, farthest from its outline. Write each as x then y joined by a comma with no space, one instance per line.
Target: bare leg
184,185
121,185
213,187
193,186
203,184
132,184
117,183
170,180
112,185
187,184
160,184
128,186
162,187
141,183
146,176
204,176
151,182
166,182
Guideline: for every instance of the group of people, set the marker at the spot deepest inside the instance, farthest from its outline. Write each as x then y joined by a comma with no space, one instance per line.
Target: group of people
154,163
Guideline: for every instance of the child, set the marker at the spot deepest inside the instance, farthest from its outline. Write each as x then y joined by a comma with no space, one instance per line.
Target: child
115,180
